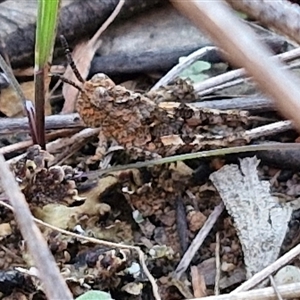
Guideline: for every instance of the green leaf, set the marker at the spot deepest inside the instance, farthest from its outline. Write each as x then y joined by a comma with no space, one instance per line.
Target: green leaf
241,15
94,295
195,71
45,31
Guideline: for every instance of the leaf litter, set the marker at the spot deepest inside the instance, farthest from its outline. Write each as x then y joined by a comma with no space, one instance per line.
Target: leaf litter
105,211
160,209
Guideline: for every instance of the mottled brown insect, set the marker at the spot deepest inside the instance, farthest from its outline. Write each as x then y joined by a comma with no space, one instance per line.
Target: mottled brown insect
136,120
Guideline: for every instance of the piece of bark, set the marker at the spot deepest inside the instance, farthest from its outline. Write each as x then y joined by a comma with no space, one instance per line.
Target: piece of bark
78,21
162,59
281,158
252,104
139,27
260,220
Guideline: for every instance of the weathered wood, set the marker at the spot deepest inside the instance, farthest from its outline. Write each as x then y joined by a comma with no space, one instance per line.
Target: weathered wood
163,59
12,125
78,21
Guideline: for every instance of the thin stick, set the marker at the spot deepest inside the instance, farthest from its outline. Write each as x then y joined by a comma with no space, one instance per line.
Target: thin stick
201,154
59,144
236,74
55,286
16,147
236,82
104,243
218,265
188,61
288,291
282,16
12,125
25,144
198,240
269,129
222,86
109,20
265,273
273,283
60,158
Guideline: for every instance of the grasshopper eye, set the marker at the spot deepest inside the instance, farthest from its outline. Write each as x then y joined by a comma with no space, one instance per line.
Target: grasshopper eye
99,77
102,80
101,92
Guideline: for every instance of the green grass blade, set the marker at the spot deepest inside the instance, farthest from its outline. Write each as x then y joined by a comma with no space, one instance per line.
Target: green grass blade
44,42
45,31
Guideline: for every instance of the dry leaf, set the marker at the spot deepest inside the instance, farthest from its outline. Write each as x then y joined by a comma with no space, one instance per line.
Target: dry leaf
10,103
261,221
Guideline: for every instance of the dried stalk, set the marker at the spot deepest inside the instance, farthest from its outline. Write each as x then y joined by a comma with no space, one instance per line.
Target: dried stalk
288,291
280,15
210,83
12,125
198,240
244,49
25,144
55,286
57,145
269,129
175,71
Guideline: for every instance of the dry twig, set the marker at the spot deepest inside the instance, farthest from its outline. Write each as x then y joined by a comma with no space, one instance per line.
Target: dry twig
55,286
57,145
280,15
198,240
288,291
273,283
12,125
209,85
269,129
238,41
218,265
175,71
25,144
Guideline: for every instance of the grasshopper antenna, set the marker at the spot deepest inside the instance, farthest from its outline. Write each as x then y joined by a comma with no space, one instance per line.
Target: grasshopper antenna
70,82
70,60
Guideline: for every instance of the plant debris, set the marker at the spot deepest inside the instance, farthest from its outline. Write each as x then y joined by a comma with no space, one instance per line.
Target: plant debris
261,220
159,231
